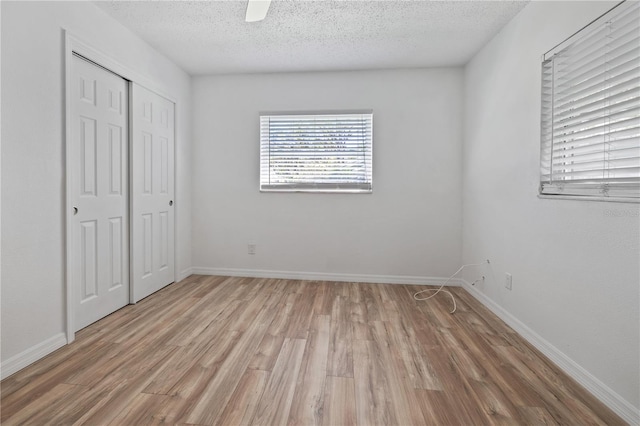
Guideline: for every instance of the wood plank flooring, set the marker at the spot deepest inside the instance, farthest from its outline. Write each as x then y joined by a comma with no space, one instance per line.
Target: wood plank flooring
244,351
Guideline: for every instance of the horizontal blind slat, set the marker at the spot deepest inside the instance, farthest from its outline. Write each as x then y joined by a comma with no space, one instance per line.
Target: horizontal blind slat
630,94
578,64
629,104
621,172
568,87
631,143
596,128
595,162
628,82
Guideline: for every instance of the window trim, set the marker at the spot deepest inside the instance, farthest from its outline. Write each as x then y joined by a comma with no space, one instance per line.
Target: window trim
345,188
587,198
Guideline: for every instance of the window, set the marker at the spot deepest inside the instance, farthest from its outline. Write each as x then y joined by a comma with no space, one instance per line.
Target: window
590,136
316,152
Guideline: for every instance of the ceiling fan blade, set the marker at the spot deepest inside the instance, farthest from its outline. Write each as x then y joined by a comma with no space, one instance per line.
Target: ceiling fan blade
257,10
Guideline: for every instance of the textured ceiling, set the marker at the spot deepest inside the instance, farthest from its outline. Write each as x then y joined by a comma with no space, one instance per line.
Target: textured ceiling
211,37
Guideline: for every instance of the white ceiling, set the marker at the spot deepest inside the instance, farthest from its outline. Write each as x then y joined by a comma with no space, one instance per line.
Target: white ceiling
211,37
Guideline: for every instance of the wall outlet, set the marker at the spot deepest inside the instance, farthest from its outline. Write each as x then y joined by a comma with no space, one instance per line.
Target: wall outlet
508,280
251,248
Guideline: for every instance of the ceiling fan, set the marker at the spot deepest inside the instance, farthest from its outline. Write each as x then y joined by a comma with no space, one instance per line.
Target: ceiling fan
257,10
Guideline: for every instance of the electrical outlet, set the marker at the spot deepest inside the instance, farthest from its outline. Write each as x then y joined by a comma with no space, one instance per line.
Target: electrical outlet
508,280
251,248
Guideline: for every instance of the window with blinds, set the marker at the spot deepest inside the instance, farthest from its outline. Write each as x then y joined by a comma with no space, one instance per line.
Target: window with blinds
316,152
590,136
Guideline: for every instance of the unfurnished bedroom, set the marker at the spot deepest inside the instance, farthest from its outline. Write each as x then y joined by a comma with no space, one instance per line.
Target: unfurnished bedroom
322,212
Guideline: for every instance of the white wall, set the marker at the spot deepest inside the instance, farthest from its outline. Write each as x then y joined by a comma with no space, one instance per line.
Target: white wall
409,226
33,264
575,264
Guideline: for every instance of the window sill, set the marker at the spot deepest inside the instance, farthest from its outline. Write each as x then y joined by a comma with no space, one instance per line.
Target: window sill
589,198
319,191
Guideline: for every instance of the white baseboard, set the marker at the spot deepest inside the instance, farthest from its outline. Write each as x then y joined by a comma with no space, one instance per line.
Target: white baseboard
611,399
325,276
184,274
31,355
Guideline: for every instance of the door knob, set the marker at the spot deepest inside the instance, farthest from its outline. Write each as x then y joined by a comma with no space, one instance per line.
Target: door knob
75,210
171,202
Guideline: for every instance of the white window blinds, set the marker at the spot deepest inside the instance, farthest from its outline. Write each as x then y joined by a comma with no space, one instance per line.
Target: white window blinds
591,109
316,152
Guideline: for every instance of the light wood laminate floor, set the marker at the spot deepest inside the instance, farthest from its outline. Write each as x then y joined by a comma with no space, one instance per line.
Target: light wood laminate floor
231,351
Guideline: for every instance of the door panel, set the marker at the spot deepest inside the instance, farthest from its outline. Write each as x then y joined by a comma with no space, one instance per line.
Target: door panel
152,215
115,160
116,243
89,284
99,175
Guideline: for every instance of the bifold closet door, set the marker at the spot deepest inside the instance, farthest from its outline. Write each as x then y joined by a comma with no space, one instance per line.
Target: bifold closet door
99,192
152,178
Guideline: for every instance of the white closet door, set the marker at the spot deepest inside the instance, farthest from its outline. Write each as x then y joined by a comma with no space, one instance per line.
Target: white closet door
152,217
99,194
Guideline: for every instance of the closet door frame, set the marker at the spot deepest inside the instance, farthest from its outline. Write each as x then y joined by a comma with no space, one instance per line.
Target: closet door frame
74,44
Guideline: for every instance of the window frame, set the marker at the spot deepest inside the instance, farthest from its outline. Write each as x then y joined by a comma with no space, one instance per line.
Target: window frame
564,184
365,187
